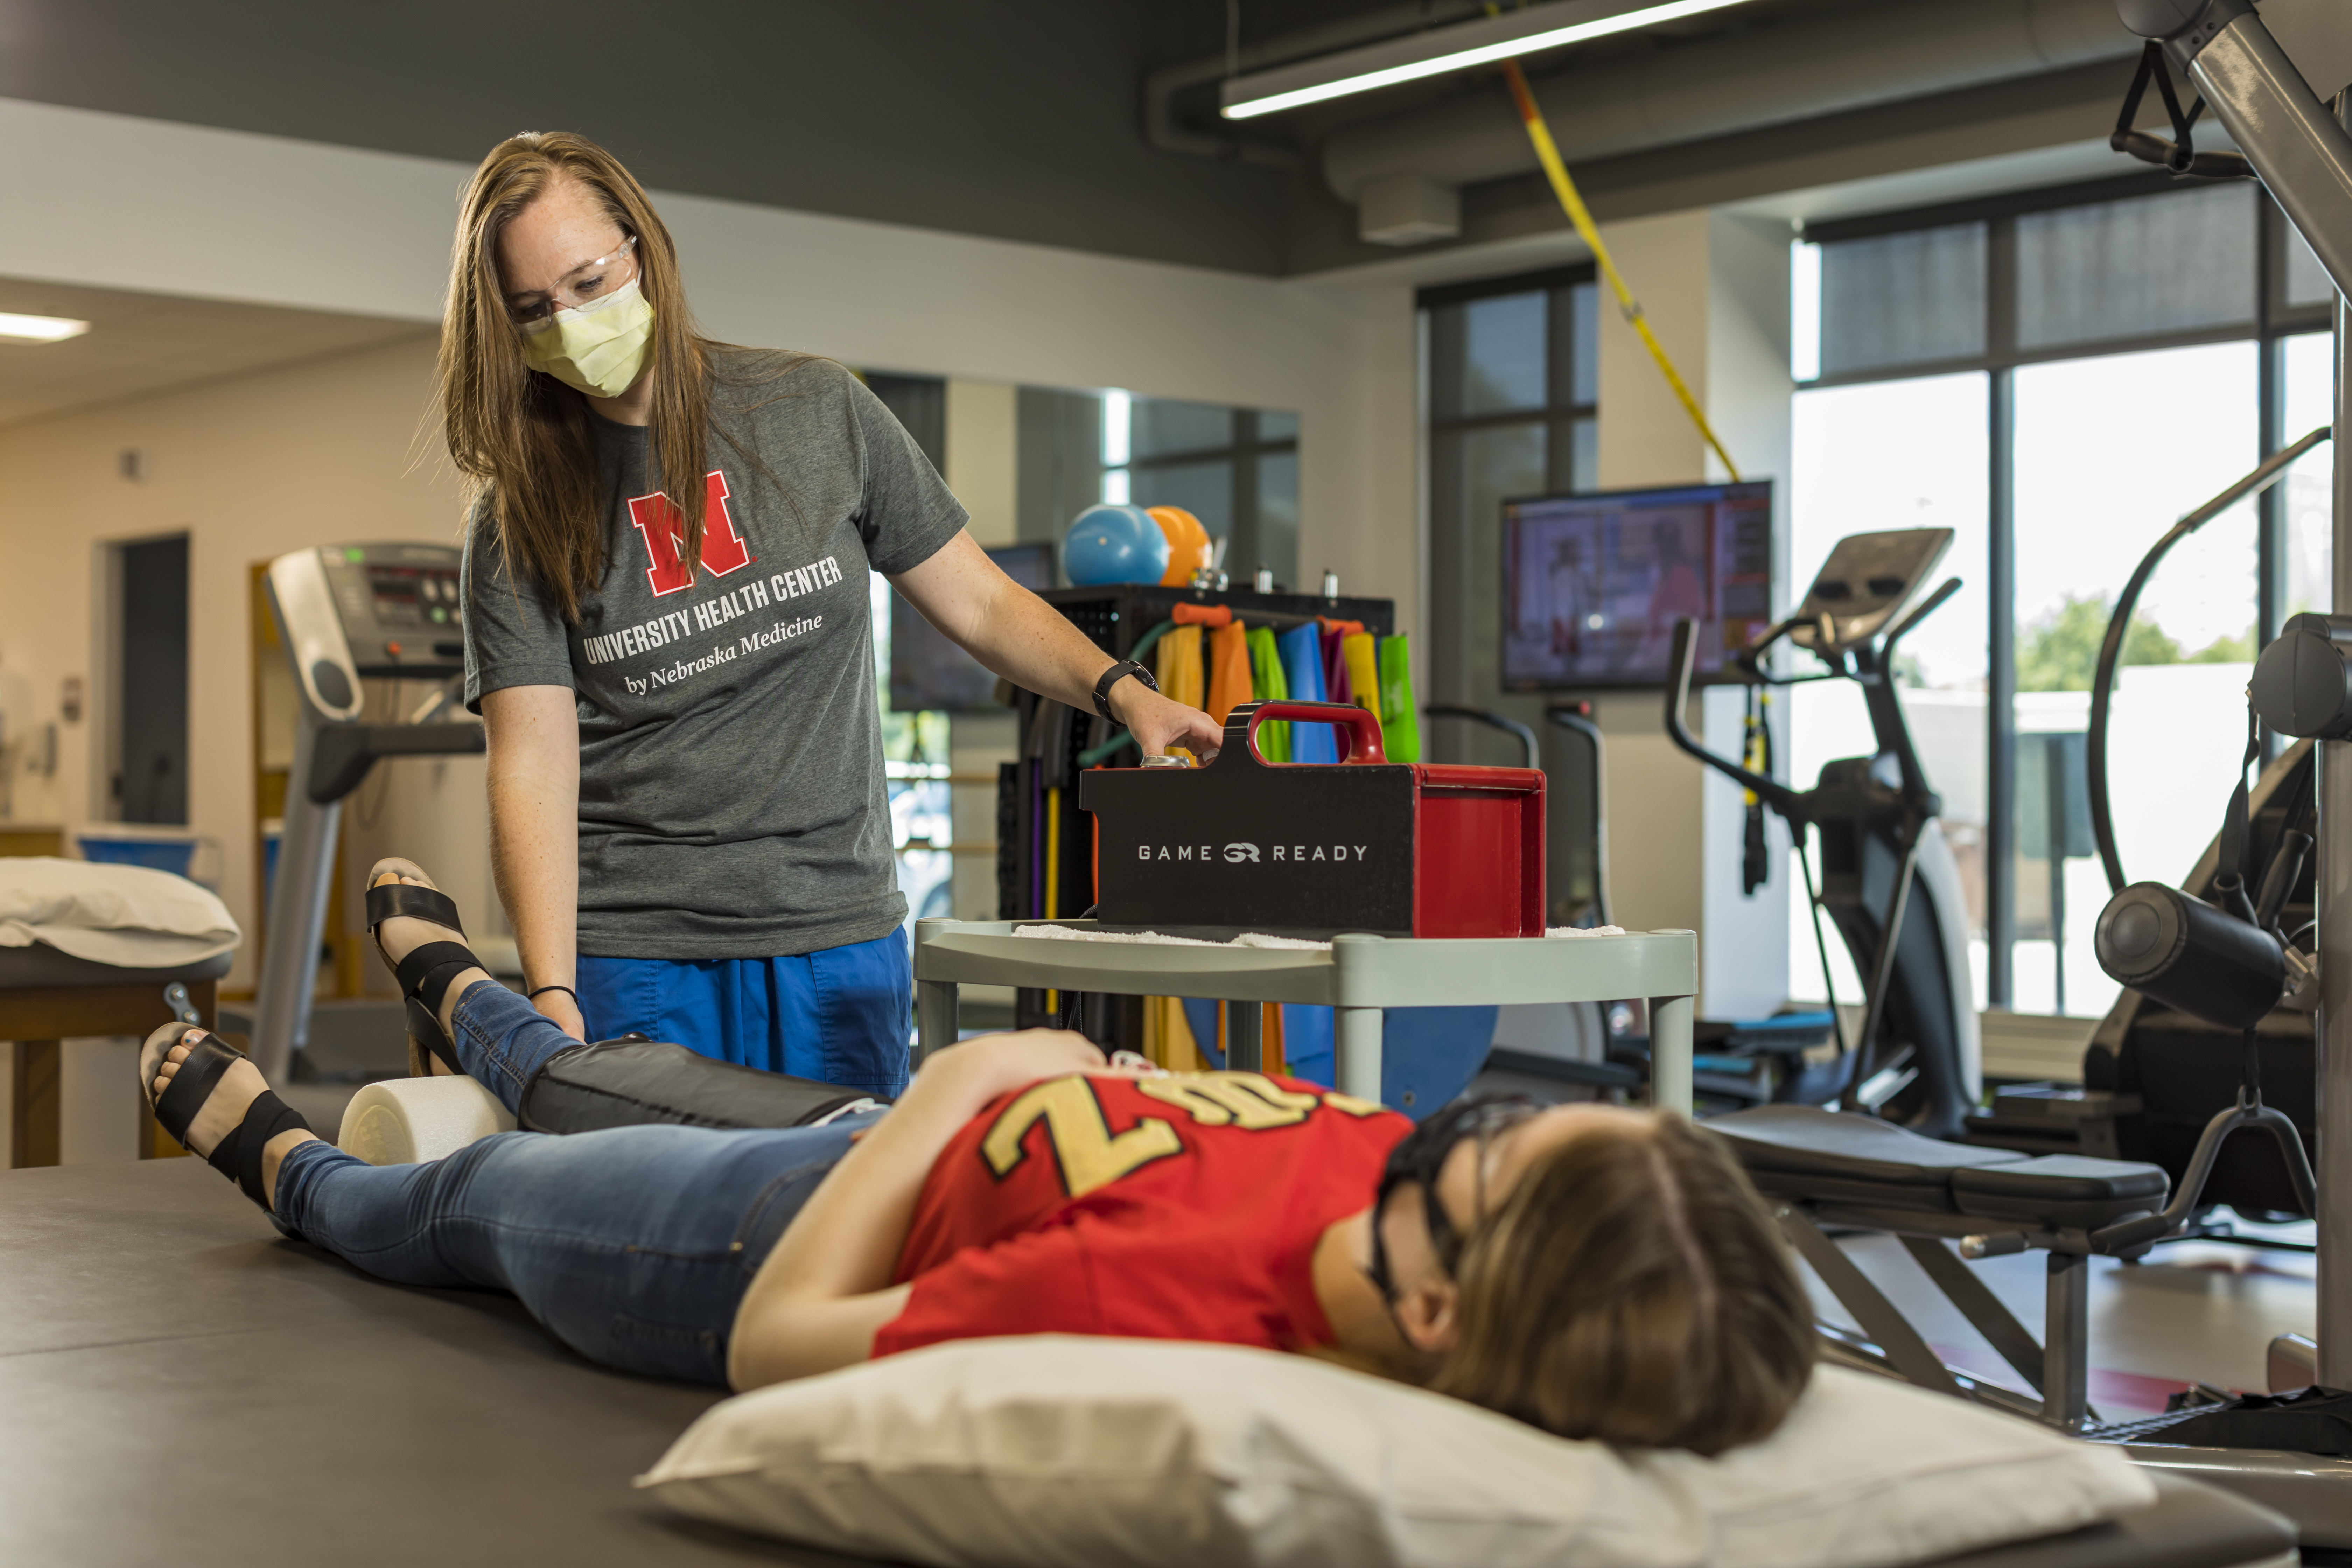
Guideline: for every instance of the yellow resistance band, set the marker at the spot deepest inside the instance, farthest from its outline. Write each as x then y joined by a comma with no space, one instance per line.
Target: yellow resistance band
1053,873
1547,154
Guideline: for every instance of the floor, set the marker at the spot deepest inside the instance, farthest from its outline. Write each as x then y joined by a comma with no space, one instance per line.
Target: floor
2192,1313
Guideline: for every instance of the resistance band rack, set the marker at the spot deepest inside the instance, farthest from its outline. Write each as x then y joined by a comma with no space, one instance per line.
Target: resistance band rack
1044,844
1358,976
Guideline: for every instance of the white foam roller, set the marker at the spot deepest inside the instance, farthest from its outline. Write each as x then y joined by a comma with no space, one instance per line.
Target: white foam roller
408,1120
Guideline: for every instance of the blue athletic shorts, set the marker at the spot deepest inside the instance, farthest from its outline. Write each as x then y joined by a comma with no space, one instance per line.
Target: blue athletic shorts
842,1016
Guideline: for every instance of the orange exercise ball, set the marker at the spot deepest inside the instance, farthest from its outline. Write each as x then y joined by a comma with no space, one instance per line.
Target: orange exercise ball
1190,548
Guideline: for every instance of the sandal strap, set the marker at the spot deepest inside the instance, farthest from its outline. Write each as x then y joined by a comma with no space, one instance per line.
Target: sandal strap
424,1028
265,1119
407,899
423,969
192,1085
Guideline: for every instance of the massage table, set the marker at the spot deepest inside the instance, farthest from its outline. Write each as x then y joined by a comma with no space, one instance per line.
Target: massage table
48,996
180,1383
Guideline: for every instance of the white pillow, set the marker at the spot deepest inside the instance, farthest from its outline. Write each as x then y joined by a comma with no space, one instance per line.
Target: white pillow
1036,1452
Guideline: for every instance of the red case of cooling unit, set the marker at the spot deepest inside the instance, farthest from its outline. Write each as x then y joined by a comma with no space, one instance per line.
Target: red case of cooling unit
1311,848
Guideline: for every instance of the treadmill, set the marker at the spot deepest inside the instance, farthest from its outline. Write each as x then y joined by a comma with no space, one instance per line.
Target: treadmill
346,613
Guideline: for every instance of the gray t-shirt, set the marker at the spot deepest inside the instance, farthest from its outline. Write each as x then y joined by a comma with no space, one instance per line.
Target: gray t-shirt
731,796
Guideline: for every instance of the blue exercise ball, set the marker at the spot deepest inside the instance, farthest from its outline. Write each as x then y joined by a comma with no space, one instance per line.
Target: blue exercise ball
1114,544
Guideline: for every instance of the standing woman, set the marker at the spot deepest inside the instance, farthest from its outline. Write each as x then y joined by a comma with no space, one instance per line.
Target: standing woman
669,640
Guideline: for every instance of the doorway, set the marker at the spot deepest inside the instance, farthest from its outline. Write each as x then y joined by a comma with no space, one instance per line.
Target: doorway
151,781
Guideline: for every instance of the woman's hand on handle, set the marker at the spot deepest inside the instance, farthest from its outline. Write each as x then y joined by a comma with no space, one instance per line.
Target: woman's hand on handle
1161,722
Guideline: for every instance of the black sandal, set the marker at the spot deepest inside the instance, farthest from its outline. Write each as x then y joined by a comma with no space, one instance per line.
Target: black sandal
425,973
237,1155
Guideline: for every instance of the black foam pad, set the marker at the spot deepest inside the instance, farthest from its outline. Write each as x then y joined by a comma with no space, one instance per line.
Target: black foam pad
630,1082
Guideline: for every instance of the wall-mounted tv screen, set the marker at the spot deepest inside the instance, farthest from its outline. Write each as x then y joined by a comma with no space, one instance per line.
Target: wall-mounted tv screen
1594,584
928,671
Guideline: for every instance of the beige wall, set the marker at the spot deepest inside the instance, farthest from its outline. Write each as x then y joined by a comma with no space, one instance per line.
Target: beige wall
249,469
1714,289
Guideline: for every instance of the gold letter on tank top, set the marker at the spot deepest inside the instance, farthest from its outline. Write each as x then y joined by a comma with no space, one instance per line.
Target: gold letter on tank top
1245,1100
1083,1146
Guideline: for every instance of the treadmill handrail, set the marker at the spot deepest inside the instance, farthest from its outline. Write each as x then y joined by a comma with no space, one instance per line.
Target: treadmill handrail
1771,792
345,753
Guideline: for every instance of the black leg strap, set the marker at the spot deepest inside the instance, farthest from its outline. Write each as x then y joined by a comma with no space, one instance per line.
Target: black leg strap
406,899
426,972
265,1119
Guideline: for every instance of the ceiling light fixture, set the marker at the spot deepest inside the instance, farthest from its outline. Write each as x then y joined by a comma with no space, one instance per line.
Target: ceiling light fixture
16,329
1443,49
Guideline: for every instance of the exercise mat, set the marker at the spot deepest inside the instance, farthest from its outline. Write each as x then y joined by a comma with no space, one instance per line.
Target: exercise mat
1302,670
1268,685
1400,716
1229,669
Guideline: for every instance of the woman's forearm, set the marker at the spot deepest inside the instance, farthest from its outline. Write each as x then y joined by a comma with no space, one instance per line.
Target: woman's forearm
1023,638
533,742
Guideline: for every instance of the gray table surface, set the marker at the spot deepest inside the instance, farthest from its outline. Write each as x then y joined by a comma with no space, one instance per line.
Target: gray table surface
179,1383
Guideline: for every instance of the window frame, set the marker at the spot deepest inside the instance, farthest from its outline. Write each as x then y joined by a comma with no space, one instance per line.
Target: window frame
2273,321
1456,649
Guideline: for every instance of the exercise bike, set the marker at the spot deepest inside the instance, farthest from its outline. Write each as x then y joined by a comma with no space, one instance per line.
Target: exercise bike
1889,882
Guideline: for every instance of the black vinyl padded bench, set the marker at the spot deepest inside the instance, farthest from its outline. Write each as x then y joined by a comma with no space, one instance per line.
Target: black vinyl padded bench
1846,1171
183,1386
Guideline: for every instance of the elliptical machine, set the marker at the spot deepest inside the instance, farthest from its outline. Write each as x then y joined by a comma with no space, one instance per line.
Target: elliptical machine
1888,878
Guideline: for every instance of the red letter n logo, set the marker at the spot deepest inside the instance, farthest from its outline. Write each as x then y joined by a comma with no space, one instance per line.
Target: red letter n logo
663,528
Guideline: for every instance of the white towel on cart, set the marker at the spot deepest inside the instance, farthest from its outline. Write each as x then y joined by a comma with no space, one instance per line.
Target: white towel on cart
130,916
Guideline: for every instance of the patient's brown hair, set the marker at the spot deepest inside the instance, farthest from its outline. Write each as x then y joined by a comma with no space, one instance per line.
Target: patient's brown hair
1631,1288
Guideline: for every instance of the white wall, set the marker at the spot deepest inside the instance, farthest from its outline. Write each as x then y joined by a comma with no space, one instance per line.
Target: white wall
134,203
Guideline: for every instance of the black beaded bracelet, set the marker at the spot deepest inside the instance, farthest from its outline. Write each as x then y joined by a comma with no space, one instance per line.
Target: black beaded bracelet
565,989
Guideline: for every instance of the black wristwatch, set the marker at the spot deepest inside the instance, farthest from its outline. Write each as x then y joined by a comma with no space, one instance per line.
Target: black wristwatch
1112,676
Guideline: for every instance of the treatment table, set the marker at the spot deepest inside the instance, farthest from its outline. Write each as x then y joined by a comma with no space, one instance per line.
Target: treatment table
47,997
179,1383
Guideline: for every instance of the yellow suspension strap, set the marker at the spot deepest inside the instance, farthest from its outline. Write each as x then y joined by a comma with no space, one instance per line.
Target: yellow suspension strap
1547,154
1755,756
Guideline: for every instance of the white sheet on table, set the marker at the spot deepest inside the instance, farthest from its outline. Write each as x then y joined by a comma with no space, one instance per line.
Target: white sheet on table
130,916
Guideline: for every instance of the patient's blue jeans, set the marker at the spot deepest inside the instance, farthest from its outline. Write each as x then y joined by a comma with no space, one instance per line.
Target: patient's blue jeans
632,1245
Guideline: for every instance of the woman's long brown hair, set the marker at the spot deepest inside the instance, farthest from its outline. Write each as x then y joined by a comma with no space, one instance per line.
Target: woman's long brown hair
523,439
1632,1288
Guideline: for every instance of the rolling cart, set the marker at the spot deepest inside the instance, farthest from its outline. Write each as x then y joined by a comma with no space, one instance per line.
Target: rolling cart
1358,976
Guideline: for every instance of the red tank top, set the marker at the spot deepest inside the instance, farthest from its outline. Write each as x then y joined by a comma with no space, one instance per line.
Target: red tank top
1180,1208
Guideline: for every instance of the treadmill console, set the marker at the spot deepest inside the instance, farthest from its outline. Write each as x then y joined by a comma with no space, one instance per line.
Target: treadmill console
350,611
1867,578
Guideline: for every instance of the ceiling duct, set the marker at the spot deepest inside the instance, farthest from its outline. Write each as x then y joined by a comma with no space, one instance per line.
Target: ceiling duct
1732,82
